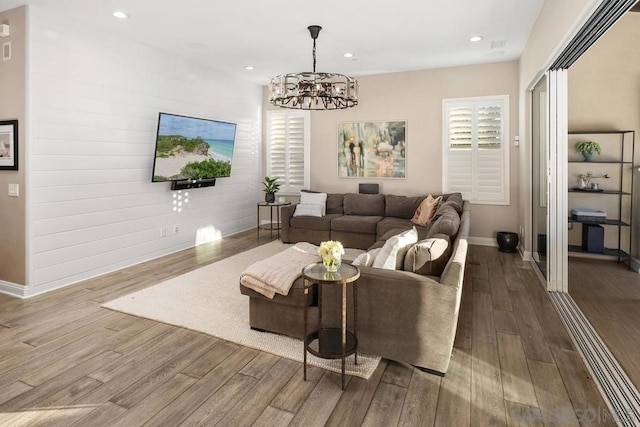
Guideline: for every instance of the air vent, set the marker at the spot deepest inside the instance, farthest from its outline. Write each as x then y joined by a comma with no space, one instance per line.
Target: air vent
497,44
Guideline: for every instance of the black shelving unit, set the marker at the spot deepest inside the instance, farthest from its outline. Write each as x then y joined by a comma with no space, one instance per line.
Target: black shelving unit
626,165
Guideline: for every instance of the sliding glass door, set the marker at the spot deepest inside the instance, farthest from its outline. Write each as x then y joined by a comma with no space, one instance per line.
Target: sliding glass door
539,174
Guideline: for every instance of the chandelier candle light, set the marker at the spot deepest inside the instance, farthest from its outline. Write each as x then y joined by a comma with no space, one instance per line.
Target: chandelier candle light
331,253
314,91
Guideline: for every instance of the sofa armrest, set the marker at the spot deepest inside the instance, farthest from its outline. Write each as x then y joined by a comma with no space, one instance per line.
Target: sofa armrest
286,212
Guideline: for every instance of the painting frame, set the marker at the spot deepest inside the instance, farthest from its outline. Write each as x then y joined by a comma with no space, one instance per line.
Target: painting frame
372,149
9,145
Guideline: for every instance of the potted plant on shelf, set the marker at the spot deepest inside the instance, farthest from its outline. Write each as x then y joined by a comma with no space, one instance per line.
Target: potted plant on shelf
588,149
271,186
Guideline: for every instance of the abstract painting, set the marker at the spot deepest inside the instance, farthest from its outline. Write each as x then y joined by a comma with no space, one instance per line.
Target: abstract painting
372,149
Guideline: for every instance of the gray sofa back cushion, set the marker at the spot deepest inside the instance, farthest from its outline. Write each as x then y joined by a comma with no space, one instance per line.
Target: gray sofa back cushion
446,221
363,204
455,200
401,206
334,203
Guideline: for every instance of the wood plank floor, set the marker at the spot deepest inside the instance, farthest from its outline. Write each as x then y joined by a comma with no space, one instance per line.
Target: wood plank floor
64,361
608,294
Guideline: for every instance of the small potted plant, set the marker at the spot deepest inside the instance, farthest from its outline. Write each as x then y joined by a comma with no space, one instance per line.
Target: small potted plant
588,149
271,186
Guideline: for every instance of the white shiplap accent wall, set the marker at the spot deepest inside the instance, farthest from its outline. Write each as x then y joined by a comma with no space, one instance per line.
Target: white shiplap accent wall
94,100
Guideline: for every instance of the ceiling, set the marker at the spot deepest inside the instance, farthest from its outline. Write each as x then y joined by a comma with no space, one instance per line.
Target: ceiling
271,35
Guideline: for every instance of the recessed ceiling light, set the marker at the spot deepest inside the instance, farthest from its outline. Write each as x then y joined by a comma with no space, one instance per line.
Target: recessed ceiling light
348,55
476,38
120,14
249,67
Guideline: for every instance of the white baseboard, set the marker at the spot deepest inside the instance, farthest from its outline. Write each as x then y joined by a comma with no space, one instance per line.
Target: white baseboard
490,241
24,292
13,289
482,241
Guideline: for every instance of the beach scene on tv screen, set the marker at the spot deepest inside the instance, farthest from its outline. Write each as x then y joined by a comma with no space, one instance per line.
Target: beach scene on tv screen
190,148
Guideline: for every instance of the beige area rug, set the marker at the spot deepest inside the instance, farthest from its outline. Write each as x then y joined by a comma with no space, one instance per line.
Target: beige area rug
208,300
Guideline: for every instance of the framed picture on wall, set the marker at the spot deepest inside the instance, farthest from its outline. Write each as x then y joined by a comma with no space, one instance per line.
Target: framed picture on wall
9,145
372,149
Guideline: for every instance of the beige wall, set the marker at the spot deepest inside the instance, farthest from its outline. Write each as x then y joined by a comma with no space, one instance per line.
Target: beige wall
417,97
604,89
12,106
557,23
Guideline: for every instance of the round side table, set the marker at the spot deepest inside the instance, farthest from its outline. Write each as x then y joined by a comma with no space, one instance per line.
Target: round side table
331,342
271,226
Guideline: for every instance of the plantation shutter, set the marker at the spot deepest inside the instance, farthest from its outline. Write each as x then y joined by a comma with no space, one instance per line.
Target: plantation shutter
475,149
288,149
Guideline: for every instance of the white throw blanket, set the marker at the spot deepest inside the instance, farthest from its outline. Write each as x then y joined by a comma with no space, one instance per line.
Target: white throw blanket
277,273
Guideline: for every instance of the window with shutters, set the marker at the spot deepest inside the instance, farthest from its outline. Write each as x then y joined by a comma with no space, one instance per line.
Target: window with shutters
288,135
476,149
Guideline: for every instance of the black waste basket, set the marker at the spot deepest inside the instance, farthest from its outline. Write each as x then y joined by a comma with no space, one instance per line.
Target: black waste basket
507,241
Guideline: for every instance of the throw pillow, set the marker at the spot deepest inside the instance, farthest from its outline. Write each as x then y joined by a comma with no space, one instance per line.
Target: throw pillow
315,199
391,256
308,209
429,256
455,200
366,259
445,221
426,210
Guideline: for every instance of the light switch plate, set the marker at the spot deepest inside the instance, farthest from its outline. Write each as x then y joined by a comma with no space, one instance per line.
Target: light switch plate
14,190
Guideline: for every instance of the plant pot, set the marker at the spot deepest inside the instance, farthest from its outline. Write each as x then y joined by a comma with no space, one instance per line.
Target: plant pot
507,241
587,157
269,197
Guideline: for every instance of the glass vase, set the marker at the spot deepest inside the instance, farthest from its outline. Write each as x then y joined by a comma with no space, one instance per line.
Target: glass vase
331,263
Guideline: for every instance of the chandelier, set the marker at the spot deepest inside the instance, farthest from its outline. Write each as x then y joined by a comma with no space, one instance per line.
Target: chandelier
311,90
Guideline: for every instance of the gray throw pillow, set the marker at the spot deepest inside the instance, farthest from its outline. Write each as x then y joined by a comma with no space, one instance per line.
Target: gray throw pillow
445,221
454,200
429,257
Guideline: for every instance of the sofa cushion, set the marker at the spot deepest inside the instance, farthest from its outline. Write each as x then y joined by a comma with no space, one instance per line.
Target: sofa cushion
334,203
308,209
356,224
391,256
363,204
313,223
394,232
401,206
390,223
429,256
455,200
426,210
446,221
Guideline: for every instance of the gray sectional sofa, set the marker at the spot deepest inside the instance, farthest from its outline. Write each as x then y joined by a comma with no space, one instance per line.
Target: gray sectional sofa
405,316
359,220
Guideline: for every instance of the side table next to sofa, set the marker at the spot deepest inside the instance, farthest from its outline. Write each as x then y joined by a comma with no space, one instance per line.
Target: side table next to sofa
271,226
331,342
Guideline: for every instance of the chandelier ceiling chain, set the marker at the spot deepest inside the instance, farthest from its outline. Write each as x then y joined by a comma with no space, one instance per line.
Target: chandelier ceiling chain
314,55
314,91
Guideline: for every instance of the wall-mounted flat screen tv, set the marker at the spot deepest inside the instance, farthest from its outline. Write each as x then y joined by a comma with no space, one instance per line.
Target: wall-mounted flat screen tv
189,148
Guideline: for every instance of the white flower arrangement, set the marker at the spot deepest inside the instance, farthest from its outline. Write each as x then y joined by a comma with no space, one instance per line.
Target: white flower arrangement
332,248
331,252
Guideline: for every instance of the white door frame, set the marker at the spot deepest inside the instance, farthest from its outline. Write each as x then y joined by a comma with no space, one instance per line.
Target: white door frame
558,196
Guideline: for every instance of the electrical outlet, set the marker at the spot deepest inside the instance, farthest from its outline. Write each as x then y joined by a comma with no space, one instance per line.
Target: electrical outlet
163,232
176,229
